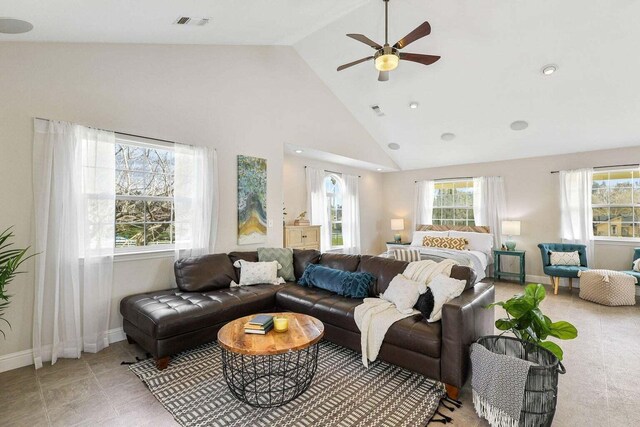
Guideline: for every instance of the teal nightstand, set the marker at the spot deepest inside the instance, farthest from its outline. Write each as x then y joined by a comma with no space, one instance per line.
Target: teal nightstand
401,243
497,268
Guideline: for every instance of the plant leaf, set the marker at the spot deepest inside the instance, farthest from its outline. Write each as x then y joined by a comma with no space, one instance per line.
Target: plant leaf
519,306
553,348
563,330
505,324
535,291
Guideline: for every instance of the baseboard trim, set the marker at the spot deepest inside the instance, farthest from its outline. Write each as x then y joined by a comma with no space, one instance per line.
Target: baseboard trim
564,283
24,358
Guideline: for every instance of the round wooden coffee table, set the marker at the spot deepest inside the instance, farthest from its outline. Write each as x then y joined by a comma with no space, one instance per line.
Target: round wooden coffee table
272,369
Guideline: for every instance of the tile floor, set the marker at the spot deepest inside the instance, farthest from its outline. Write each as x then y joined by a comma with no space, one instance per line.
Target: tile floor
601,387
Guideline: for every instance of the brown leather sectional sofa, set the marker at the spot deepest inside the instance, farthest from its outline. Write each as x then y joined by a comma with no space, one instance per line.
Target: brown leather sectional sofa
167,322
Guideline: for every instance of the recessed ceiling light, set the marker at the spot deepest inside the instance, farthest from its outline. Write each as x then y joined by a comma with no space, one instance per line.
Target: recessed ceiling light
298,151
394,146
447,136
14,26
519,125
547,70
413,105
379,169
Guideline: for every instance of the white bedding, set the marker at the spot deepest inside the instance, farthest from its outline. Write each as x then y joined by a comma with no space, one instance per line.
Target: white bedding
477,260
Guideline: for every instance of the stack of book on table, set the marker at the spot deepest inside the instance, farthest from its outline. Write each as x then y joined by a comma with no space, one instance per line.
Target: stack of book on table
261,324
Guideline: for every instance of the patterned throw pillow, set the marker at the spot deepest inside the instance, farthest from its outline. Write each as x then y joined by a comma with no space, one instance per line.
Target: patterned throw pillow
457,243
409,255
564,258
284,256
254,273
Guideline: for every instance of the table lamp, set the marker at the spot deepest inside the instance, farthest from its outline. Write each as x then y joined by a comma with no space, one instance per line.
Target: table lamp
510,229
397,224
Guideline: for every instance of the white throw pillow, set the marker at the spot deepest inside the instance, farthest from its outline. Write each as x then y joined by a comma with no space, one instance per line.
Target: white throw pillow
419,235
404,293
636,265
482,242
444,289
409,255
253,273
564,258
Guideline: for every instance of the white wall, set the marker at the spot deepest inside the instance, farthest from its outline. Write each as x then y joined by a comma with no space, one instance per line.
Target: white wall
532,197
372,229
238,99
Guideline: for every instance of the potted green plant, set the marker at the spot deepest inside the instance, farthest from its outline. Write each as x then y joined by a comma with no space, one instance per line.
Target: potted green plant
10,260
527,322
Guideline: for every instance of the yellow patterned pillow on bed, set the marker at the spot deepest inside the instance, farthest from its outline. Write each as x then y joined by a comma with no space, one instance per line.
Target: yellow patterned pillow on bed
457,243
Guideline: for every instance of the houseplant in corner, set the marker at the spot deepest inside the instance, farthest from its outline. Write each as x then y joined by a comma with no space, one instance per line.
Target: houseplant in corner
539,359
10,260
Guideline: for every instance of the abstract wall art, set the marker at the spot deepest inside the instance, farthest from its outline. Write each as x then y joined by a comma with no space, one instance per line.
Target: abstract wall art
252,200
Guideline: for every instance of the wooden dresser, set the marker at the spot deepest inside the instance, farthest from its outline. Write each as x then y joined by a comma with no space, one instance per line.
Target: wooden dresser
302,236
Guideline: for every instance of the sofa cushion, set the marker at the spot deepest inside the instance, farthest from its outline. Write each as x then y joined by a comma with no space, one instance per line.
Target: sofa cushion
467,274
302,258
345,283
340,261
384,270
293,297
168,313
413,333
204,273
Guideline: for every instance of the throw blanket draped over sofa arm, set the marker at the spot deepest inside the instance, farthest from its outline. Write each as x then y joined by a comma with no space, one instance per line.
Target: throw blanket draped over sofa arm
464,320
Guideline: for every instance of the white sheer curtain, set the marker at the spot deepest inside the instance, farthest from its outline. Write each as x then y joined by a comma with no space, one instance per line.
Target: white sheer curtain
490,204
576,223
350,215
195,200
423,203
317,206
74,201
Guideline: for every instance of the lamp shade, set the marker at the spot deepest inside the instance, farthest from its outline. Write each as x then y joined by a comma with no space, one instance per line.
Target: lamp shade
511,228
397,224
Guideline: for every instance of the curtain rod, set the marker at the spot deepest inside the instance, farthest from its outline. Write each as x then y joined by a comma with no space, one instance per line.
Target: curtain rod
127,134
611,166
457,178
338,173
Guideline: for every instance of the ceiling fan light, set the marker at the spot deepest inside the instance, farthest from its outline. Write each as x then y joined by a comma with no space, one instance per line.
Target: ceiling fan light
387,62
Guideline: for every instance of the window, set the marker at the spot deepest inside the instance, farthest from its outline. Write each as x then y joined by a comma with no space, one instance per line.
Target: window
144,197
453,203
615,201
333,187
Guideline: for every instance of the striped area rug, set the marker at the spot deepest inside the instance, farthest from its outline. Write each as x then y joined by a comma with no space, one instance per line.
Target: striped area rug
343,393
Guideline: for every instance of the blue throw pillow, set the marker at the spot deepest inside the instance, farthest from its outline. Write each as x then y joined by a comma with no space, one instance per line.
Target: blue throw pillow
345,283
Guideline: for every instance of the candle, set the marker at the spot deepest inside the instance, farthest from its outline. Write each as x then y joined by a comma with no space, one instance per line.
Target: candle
280,324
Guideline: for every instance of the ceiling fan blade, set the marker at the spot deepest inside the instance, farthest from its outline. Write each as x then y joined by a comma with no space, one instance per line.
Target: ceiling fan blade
351,64
383,76
416,57
423,30
366,40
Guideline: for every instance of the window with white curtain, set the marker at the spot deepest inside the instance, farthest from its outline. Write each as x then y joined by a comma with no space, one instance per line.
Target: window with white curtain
615,200
145,218
453,203
334,188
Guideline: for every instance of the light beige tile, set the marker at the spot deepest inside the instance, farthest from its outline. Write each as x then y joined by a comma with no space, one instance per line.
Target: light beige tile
66,393
123,393
23,408
85,411
27,388
67,375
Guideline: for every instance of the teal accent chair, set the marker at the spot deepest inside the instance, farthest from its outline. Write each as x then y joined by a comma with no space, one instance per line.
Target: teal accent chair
632,272
558,271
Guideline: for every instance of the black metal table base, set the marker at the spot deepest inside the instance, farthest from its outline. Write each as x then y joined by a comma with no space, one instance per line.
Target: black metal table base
268,381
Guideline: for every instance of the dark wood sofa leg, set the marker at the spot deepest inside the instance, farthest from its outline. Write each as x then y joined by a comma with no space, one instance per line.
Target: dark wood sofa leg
130,340
452,392
163,362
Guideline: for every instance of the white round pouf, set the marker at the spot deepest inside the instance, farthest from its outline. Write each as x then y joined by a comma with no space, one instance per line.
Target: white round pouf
607,287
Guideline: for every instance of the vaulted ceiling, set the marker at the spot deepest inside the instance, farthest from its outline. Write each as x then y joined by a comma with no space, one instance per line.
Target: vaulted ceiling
489,75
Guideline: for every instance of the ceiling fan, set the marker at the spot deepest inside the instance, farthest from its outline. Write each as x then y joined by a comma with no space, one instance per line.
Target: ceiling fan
388,57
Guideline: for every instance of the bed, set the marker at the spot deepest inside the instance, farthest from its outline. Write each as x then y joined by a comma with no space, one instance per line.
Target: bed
479,253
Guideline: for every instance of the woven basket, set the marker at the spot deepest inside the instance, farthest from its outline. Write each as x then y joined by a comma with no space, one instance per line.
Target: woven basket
541,388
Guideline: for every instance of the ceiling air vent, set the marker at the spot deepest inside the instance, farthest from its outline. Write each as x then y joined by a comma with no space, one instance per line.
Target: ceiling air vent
376,109
186,20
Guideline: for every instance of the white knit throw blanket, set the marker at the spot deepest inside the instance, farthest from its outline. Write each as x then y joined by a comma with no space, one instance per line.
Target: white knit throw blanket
375,316
424,271
498,383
